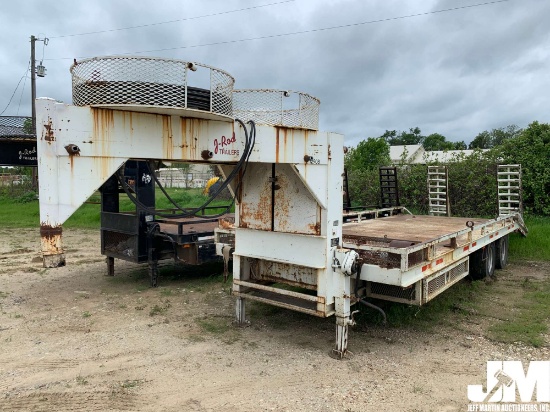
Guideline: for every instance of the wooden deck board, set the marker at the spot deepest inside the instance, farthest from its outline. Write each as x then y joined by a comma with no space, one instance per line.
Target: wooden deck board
407,227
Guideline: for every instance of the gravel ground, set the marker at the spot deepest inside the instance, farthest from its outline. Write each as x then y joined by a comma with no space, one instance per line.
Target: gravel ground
73,339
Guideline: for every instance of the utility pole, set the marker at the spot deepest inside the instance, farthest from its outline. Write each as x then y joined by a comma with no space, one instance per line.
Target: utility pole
41,73
33,82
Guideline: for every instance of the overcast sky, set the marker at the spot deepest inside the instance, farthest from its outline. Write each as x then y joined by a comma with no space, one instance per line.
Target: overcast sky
456,73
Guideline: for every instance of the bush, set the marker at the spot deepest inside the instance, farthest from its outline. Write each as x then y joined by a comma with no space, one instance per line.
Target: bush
531,149
472,186
27,197
472,179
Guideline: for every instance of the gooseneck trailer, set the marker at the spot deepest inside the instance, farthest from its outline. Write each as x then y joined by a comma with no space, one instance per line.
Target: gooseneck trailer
286,177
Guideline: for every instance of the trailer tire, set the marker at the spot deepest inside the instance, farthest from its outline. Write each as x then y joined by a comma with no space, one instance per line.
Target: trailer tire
482,262
502,252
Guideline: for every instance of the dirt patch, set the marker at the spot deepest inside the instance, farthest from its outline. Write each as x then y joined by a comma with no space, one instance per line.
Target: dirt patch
74,339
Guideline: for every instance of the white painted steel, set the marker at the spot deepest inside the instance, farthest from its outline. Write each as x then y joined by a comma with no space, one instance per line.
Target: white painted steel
406,277
438,190
305,229
509,189
447,281
302,250
106,138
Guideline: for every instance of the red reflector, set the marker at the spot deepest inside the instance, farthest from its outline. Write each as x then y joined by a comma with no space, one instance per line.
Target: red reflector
425,267
496,234
439,261
490,237
466,248
473,244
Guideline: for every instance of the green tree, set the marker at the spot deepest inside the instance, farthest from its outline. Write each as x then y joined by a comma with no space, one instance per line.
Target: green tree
488,139
413,136
460,145
437,141
362,163
481,141
531,149
27,126
368,154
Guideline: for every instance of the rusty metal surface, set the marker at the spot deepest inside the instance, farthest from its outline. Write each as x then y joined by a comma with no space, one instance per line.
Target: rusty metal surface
300,276
50,242
281,203
281,297
296,211
383,259
47,133
256,198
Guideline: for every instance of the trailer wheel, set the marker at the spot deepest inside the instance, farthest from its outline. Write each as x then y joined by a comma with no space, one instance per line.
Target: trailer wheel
502,252
482,262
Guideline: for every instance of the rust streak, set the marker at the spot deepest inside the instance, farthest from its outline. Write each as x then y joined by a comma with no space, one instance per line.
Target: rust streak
49,231
167,137
51,236
315,228
277,147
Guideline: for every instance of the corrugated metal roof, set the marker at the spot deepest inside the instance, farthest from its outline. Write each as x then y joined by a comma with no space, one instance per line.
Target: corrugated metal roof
13,128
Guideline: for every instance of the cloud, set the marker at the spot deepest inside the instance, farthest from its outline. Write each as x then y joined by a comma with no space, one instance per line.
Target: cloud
455,73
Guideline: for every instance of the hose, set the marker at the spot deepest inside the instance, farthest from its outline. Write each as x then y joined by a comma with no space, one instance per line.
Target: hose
250,140
372,306
368,304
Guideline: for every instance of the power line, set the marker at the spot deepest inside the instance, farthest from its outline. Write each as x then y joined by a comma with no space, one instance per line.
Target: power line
172,21
271,36
13,94
23,89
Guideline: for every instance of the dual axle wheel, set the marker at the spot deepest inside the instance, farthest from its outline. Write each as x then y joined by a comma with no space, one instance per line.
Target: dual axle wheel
493,256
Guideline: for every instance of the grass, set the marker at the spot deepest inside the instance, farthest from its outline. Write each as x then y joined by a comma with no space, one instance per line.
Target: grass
529,322
160,309
219,326
214,326
511,310
462,299
536,246
127,384
80,380
14,214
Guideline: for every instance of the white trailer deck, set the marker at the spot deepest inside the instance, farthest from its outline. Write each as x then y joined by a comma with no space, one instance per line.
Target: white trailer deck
411,259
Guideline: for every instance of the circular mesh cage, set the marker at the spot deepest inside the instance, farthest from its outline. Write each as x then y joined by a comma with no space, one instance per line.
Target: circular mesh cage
122,80
277,108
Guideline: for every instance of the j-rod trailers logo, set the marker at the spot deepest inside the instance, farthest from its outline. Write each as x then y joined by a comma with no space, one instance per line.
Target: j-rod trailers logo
509,388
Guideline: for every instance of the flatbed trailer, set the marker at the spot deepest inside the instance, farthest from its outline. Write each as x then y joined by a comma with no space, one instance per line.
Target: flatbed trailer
286,177
140,236
411,259
401,257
